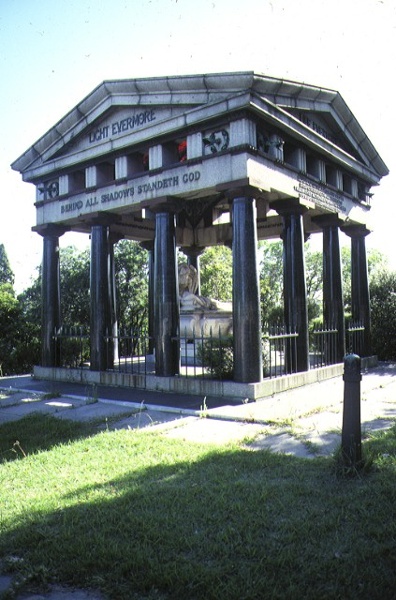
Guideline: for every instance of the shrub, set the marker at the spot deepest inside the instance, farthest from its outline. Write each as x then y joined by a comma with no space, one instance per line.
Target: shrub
217,357
383,315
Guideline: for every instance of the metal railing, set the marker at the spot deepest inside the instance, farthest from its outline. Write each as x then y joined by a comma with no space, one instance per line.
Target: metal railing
323,347
279,351
204,355
355,332
128,352
72,347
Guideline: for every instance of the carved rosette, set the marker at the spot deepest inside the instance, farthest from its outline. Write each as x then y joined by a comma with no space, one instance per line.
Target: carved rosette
216,141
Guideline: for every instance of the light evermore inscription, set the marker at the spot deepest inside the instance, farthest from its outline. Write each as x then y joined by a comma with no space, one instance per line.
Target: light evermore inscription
321,196
117,127
129,192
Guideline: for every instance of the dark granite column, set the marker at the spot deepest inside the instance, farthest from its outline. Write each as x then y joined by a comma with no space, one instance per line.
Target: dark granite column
193,253
149,246
333,297
360,293
294,284
113,342
245,293
50,295
166,296
101,298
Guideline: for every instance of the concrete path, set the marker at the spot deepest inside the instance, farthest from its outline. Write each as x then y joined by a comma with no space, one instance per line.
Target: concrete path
305,422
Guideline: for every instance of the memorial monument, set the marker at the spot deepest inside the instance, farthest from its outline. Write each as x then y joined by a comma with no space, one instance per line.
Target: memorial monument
199,160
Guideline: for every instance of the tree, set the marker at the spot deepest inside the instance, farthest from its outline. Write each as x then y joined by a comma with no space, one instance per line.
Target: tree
314,282
9,324
216,273
6,273
271,282
131,268
29,338
383,314
377,262
74,285
14,342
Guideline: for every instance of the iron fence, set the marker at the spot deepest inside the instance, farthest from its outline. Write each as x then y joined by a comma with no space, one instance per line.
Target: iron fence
279,351
323,347
206,354
129,352
355,332
72,347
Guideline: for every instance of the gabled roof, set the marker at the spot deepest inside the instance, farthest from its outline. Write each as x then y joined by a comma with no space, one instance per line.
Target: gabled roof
189,93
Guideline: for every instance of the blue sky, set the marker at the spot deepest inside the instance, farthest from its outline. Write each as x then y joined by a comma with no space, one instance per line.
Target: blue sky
53,53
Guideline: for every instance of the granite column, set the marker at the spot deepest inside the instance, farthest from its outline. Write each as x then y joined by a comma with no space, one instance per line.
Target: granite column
294,283
101,298
333,297
360,293
166,296
50,294
245,293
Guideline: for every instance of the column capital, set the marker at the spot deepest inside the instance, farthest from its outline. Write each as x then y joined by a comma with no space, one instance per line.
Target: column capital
288,206
103,218
165,204
194,250
240,188
356,230
328,220
50,229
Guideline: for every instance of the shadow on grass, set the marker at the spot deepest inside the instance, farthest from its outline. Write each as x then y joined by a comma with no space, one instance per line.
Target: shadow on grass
37,432
192,522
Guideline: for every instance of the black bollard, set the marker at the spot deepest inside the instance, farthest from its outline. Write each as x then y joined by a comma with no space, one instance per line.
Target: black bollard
351,441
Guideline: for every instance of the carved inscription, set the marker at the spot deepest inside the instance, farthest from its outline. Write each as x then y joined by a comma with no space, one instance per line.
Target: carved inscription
118,127
141,190
321,196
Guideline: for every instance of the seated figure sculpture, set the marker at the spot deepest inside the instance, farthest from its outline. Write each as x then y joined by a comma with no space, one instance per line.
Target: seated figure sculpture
200,315
188,285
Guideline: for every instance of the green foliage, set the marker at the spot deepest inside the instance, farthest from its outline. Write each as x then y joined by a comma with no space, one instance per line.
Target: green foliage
217,356
24,340
74,284
131,267
216,273
6,273
29,338
314,281
9,321
271,282
376,263
383,314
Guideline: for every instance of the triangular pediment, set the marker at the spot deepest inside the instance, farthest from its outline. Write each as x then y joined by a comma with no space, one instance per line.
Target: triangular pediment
324,124
136,110
116,124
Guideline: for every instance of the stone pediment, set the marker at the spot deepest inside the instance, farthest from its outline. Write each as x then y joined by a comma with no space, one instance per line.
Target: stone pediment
121,123
121,113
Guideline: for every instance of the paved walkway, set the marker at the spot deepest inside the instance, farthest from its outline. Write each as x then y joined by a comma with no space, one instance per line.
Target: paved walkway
305,422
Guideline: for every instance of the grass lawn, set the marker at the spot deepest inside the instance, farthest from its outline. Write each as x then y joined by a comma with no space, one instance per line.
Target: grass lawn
140,516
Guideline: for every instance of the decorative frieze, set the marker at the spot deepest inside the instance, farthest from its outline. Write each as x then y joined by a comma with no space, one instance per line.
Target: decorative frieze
216,141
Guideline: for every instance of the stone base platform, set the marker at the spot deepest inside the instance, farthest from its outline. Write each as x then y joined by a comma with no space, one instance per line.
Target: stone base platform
196,386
